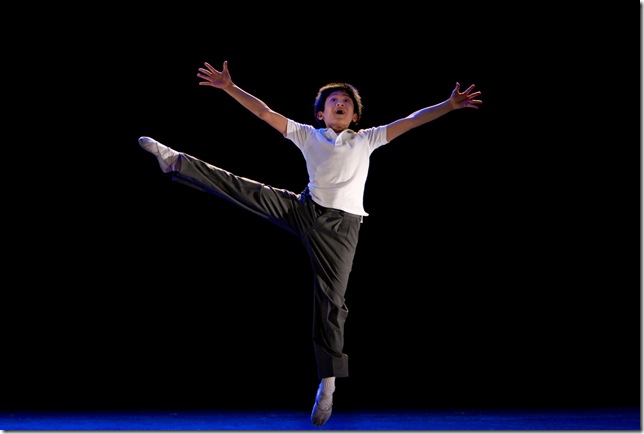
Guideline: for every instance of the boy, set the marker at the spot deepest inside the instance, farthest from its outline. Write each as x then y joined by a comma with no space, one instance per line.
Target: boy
327,215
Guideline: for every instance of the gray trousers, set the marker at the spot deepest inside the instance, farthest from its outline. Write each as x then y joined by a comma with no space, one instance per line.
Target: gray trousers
329,236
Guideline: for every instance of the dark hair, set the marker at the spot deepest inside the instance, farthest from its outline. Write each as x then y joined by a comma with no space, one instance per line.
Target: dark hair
327,90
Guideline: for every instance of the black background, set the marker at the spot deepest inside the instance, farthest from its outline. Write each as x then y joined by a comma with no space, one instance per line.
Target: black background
499,266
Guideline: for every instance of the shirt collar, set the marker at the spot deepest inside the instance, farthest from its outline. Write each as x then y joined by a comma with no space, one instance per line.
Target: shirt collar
333,136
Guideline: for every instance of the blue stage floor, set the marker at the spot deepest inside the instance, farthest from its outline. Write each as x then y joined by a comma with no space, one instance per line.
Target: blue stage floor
612,419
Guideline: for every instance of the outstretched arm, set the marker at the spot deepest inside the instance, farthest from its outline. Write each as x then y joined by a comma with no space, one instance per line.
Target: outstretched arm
221,80
457,100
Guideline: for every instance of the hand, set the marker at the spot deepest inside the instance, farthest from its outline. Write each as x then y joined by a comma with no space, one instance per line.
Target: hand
214,78
464,99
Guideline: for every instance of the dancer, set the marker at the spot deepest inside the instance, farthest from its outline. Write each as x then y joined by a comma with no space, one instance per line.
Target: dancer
327,214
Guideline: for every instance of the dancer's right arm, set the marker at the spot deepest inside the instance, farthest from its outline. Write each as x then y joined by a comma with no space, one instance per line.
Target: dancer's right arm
221,80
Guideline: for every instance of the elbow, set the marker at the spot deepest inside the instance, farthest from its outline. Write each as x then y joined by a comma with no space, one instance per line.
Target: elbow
264,114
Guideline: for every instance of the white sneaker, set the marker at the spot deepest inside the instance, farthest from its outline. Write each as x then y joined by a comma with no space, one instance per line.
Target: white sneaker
168,158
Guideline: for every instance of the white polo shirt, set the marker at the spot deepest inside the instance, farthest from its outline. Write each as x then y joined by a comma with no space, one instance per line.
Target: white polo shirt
337,164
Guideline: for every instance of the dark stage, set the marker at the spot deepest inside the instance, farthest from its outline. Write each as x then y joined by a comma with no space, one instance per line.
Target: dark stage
497,280
612,419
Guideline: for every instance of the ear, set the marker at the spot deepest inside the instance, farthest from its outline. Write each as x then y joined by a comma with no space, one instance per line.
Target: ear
355,118
320,115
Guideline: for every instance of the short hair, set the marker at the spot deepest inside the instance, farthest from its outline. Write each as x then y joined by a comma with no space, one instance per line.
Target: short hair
328,89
